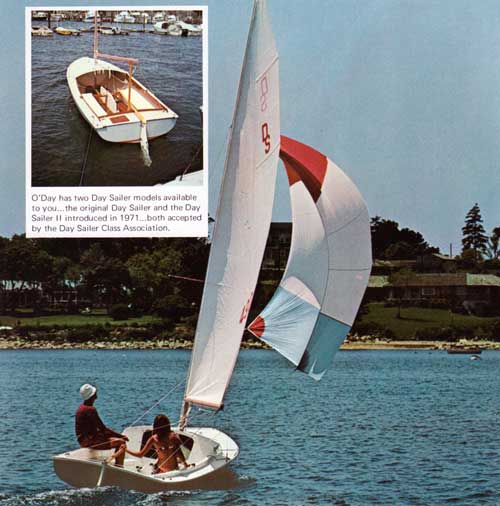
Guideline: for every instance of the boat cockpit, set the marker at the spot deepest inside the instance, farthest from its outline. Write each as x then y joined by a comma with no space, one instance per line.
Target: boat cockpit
107,93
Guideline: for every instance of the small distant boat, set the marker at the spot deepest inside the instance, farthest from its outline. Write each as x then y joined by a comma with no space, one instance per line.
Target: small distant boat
112,30
114,103
159,16
464,350
189,30
140,17
39,16
90,17
41,31
124,17
66,31
167,28
475,357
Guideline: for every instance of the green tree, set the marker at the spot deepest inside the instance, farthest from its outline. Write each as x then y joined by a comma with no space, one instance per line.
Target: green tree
400,250
150,274
103,276
493,247
468,259
388,241
474,236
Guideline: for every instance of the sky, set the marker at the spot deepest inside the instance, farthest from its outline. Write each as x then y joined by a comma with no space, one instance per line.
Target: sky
403,95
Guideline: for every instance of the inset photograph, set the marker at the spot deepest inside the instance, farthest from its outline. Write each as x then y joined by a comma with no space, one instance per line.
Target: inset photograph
116,97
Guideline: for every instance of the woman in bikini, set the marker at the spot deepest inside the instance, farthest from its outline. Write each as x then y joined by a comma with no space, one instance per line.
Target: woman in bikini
167,445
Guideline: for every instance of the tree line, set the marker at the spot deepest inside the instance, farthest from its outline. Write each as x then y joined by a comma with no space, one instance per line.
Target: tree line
138,273
390,242
165,276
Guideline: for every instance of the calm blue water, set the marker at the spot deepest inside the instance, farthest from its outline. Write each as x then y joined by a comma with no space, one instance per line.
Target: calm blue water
382,428
171,67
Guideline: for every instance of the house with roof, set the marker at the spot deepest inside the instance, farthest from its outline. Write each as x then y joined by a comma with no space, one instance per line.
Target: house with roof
475,293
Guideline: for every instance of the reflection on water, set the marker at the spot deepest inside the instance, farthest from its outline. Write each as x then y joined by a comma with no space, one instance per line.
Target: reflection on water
171,67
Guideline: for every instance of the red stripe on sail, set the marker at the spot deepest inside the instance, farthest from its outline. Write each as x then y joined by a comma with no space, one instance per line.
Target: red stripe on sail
293,177
305,164
257,327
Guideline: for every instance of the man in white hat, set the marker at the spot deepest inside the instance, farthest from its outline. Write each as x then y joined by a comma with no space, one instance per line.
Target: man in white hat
90,430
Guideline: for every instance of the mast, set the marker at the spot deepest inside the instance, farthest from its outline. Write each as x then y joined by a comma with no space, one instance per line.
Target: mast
96,40
243,219
130,61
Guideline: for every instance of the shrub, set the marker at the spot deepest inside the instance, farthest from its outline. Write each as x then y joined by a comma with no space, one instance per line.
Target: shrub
188,327
464,332
435,334
171,306
439,304
495,331
389,335
120,312
482,309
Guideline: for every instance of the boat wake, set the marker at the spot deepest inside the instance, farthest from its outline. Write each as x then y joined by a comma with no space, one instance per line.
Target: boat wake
105,496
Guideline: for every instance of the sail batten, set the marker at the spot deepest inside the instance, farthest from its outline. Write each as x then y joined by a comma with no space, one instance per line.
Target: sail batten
329,264
243,218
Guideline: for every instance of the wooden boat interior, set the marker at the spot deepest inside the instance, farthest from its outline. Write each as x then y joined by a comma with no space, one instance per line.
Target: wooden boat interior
107,94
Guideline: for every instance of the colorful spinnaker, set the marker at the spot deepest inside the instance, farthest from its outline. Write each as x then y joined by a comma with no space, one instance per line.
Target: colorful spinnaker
329,264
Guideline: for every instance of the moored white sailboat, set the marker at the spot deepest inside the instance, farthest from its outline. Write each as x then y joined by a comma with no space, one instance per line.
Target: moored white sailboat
117,106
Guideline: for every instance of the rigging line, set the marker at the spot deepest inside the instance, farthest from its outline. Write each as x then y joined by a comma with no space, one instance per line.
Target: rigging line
186,278
84,164
192,160
158,402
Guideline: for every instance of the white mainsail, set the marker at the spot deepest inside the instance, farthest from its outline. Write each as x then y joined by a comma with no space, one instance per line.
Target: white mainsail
329,265
243,218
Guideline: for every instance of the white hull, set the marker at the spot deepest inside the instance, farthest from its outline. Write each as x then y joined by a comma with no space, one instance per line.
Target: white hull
124,17
167,28
111,124
41,31
212,451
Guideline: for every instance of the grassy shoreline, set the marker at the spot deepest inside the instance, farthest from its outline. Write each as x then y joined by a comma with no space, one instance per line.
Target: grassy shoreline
379,327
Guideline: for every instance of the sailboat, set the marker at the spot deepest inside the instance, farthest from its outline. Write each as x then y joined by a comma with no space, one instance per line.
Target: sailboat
117,106
307,318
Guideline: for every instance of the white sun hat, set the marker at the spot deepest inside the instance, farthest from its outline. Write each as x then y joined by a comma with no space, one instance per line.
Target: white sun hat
87,391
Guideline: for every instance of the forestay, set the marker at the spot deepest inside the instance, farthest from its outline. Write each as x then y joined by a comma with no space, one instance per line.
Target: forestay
243,218
328,267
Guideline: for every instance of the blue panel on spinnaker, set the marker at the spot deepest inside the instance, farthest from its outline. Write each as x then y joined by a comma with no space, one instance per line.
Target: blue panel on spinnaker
327,336
288,322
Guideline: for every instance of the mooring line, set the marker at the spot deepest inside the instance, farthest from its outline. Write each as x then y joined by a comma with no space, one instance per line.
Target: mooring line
191,162
84,164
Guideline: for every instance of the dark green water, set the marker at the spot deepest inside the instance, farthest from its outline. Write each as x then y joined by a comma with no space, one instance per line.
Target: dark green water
382,427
